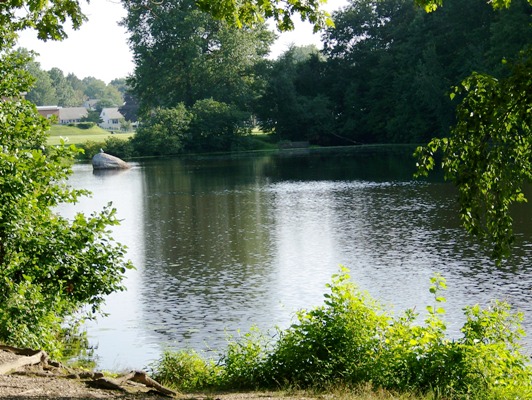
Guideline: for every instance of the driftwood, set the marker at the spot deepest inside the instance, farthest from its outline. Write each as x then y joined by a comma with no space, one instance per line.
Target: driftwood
134,376
48,369
37,358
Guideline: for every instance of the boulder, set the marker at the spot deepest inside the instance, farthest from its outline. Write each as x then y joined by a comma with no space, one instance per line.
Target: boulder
107,161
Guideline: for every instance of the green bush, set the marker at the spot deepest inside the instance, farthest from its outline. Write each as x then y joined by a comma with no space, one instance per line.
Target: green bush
118,147
216,126
163,132
186,370
112,145
90,148
85,125
333,342
350,341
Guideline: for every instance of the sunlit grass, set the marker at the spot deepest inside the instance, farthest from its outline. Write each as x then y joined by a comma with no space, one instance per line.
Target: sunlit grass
77,136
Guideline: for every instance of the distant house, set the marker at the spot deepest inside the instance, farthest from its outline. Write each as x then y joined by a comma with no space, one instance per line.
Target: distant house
48,111
72,115
111,119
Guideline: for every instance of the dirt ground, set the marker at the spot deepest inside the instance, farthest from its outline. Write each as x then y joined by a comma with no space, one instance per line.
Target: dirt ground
43,380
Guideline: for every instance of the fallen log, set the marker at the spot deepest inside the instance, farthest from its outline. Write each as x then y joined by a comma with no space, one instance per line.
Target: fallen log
134,376
37,358
142,377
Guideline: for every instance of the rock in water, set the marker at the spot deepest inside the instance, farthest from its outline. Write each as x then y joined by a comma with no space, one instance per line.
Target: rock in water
107,161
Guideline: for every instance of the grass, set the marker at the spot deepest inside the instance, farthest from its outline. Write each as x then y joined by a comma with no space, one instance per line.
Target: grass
78,136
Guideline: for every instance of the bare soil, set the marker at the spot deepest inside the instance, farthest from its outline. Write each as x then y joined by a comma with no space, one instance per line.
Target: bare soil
47,381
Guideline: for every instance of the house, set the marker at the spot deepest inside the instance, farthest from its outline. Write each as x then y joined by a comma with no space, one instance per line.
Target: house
72,115
66,115
48,111
111,119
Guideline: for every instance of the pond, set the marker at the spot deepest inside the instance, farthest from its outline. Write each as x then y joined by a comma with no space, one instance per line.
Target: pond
224,243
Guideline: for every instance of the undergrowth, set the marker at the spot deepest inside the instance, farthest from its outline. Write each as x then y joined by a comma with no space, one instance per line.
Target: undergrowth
351,341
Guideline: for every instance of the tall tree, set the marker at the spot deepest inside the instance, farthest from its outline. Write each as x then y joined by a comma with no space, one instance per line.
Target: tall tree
67,96
294,105
43,92
184,55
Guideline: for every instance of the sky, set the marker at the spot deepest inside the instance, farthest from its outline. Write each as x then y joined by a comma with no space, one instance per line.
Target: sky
99,48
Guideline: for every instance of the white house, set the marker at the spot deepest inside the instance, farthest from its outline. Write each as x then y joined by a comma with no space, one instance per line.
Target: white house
111,119
72,115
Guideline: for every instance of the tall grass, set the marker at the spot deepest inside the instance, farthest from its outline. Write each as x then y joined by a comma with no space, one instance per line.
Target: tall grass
351,342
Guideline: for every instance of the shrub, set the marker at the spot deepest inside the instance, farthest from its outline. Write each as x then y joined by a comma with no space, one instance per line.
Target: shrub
186,370
334,342
85,125
243,363
215,126
90,148
351,342
118,147
163,132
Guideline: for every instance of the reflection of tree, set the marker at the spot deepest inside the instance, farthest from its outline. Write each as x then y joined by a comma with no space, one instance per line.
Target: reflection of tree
207,252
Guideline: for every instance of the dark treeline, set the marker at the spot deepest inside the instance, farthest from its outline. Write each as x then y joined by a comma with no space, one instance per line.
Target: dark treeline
387,70
384,75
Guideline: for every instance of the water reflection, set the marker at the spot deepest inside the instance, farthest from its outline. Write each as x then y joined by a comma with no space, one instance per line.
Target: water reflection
224,243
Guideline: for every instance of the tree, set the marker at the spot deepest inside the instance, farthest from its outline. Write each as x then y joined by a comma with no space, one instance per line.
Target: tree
130,108
488,154
51,268
98,89
67,96
189,56
43,92
294,104
251,12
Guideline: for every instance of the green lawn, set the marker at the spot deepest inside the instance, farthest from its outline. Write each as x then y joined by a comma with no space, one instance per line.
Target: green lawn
78,136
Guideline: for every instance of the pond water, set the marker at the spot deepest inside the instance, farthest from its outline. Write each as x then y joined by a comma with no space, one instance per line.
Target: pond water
224,243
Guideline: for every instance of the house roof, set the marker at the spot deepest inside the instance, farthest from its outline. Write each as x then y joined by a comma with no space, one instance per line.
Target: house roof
48,108
111,113
72,113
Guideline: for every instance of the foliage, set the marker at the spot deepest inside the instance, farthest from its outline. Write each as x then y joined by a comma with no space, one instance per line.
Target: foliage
53,88
164,132
67,96
243,361
188,56
250,12
386,70
46,18
186,370
351,342
114,145
432,5
215,126
488,155
293,105
92,116
53,270
334,342
208,125
85,125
